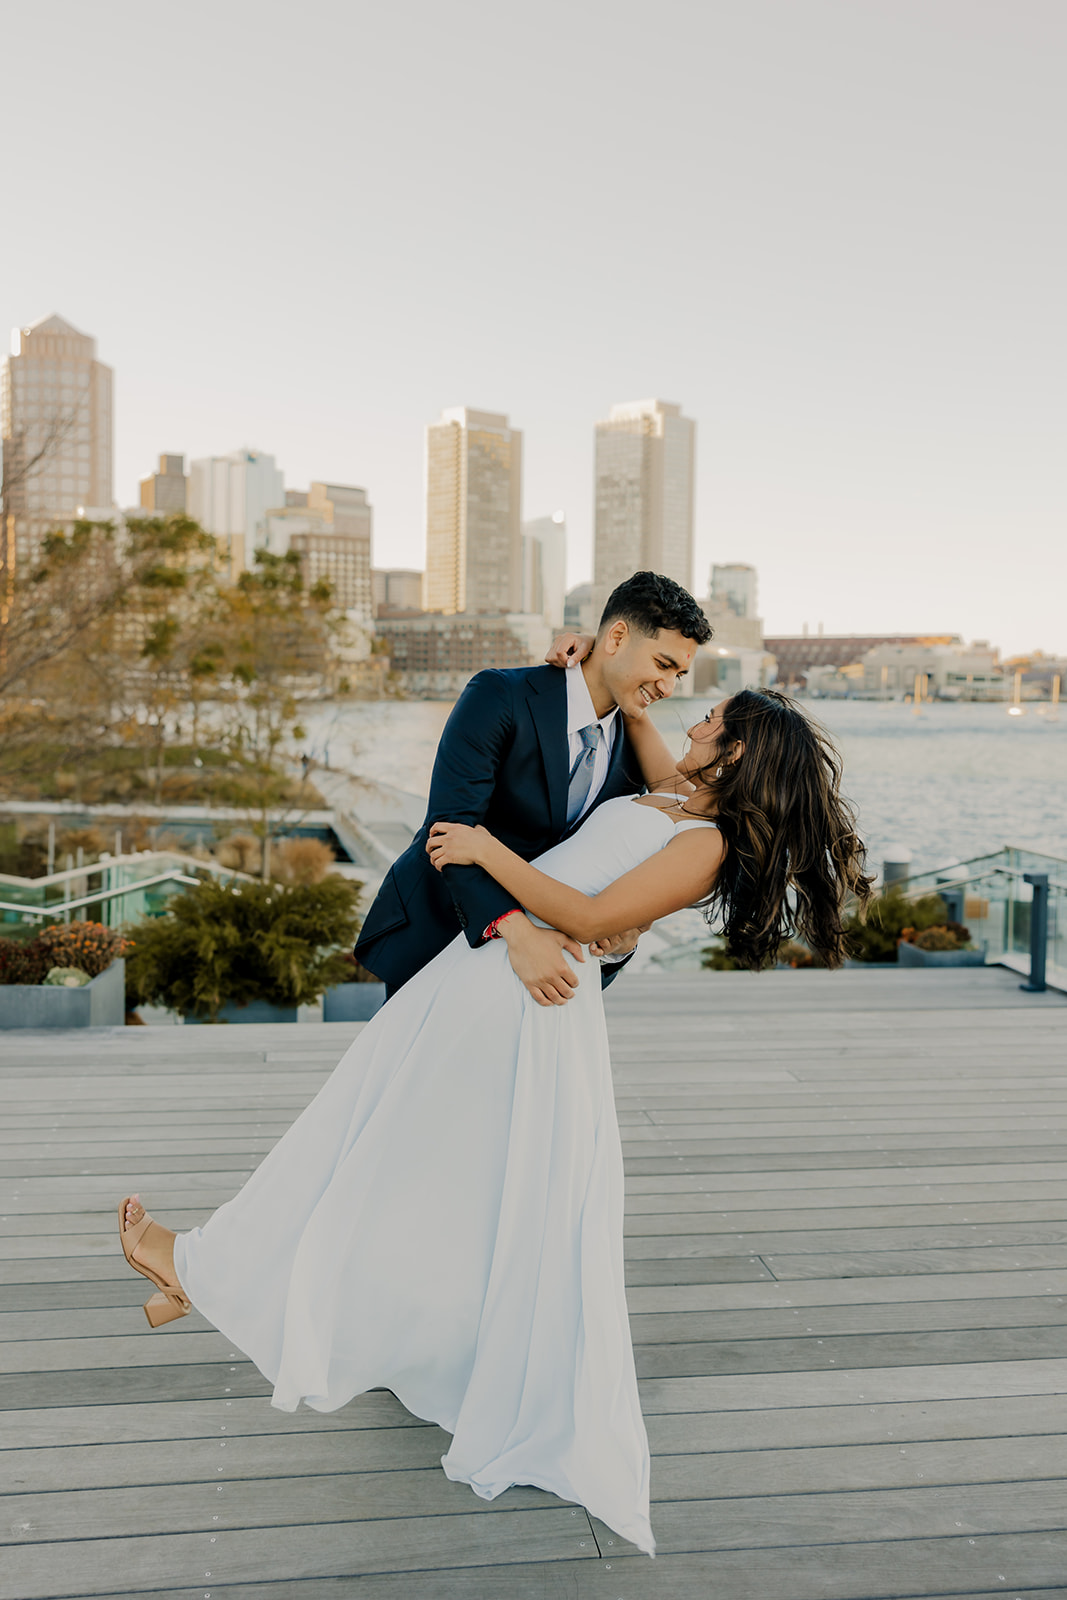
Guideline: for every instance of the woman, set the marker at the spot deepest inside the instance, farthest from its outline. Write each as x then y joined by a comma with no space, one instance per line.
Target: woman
445,1219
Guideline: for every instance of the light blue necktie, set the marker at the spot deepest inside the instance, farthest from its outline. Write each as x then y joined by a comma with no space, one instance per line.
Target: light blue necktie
581,779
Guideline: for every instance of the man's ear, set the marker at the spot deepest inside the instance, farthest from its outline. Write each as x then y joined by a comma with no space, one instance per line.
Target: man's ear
615,636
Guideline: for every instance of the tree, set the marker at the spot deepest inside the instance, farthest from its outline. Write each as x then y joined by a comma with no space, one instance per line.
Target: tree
277,637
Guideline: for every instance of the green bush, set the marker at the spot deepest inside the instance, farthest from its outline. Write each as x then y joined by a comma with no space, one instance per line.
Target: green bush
244,941
875,938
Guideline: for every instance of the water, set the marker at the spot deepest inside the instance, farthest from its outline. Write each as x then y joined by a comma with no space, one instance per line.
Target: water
955,782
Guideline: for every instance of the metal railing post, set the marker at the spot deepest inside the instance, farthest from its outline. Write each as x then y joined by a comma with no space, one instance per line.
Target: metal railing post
1038,931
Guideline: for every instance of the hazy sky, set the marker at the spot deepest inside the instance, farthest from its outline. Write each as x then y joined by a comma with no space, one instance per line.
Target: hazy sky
834,230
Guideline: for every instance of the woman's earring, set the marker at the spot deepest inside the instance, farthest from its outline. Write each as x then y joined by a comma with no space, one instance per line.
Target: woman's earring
718,772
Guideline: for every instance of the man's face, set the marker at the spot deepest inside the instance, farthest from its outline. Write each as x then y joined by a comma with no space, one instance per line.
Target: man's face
639,668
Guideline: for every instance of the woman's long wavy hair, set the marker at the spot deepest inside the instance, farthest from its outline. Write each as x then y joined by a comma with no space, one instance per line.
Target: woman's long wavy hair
793,855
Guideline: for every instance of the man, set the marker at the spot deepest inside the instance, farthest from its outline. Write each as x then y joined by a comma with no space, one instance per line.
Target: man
528,753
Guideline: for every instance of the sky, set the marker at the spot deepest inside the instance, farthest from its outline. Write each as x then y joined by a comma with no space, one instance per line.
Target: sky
834,231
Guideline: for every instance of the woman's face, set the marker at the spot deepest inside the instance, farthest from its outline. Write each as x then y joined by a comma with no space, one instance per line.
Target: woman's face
705,739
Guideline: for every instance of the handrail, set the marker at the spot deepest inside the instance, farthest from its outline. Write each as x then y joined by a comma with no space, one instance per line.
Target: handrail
38,913
108,862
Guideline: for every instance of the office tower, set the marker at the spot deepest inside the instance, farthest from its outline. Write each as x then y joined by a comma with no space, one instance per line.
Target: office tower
338,548
734,585
230,497
473,508
645,469
544,564
165,490
55,405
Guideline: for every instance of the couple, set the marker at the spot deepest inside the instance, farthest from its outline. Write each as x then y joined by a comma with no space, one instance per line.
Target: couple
445,1218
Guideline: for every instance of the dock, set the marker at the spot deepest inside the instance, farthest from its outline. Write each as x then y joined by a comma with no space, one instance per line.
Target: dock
847,1266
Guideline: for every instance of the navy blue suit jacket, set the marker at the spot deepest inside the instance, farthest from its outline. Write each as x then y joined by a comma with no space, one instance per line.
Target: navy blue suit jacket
502,761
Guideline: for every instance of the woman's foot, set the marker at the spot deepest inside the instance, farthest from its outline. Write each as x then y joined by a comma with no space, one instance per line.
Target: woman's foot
149,1249
155,1249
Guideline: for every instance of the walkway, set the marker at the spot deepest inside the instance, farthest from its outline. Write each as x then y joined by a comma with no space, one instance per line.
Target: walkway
847,1240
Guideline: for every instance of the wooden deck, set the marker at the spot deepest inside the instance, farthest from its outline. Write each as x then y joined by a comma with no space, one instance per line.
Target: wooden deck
847,1241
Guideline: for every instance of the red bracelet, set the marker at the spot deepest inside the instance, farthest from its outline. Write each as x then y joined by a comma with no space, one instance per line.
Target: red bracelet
493,930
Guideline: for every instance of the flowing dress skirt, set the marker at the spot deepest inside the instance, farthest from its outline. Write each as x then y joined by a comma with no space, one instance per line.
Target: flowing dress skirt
445,1221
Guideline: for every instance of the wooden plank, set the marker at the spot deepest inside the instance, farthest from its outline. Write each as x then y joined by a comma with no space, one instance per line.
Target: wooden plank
884,1263
107,1385
970,1381
829,1292
94,1566
854,1353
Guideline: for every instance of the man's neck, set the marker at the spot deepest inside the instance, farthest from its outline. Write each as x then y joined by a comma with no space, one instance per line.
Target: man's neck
599,693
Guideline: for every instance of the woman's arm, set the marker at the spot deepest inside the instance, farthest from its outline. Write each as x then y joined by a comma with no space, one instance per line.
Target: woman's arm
677,876
658,766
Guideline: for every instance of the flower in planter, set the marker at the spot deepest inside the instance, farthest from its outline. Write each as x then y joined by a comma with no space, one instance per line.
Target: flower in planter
66,978
87,946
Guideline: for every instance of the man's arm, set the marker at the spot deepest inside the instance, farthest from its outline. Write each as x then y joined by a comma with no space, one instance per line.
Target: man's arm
475,741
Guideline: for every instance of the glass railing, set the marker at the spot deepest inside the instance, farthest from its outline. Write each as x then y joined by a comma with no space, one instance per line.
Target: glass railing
115,890
994,897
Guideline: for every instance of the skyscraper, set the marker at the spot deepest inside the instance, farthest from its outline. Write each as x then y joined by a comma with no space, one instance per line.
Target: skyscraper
55,405
645,471
230,497
473,510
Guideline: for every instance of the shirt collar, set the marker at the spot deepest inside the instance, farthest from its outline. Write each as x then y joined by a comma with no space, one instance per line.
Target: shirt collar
580,709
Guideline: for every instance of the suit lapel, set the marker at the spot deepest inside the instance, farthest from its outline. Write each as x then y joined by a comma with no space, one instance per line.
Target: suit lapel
548,708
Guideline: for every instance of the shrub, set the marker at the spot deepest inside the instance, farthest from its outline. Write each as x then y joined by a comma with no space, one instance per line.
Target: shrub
301,860
794,954
22,962
235,942
875,937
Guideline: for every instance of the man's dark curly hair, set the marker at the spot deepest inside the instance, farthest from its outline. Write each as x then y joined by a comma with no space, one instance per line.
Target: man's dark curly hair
649,602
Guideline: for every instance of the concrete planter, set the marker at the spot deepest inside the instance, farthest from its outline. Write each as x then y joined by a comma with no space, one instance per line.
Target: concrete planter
101,1003
910,955
352,1002
251,1011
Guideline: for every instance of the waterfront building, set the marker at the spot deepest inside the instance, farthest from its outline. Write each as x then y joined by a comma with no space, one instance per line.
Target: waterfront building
645,492
473,509
165,491
433,654
230,496
796,652
734,585
396,589
544,567
953,671
56,403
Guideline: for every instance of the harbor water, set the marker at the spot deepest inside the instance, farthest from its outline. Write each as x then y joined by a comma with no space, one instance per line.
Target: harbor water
954,782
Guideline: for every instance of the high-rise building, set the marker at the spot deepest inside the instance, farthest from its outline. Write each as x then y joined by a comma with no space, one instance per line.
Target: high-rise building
348,522
645,474
165,490
544,567
734,585
230,497
473,510
56,419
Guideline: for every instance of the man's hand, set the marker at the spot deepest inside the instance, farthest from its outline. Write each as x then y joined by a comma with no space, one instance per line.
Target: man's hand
536,954
618,944
568,649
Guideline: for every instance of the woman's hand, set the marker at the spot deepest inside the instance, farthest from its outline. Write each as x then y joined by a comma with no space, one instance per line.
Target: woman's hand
568,649
454,844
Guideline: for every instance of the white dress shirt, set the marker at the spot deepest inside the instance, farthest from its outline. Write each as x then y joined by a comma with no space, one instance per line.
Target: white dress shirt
580,713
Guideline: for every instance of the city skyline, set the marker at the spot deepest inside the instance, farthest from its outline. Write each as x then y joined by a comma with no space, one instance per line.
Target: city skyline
838,253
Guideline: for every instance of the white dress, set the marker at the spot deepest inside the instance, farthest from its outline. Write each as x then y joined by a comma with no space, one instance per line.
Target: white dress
445,1220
